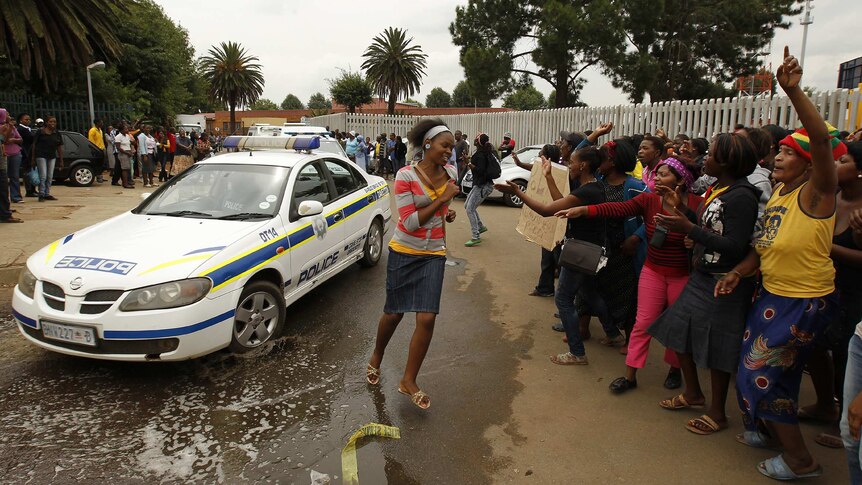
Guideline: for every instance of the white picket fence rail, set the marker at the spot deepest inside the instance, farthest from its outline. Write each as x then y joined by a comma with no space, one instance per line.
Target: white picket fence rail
697,118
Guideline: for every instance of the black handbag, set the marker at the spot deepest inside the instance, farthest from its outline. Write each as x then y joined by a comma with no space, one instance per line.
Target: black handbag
582,256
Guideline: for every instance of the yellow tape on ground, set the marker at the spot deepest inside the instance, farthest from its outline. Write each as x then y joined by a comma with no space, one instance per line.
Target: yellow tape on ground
348,454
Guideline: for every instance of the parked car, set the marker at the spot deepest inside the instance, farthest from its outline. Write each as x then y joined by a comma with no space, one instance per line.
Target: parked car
509,171
81,159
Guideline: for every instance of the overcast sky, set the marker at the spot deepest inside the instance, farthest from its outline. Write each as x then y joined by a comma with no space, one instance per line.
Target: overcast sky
302,44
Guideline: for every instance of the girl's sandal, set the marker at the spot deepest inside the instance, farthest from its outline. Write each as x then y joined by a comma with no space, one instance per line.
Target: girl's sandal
704,425
419,398
679,402
372,375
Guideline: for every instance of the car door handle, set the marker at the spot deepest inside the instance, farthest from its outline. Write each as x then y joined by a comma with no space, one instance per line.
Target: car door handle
338,216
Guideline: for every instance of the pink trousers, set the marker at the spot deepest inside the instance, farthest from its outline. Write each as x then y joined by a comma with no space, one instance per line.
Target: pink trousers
656,292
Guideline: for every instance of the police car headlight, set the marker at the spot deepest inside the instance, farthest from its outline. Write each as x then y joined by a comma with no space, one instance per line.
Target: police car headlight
27,283
166,295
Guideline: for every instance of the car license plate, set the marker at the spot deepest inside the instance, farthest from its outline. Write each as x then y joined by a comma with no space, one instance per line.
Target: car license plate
69,333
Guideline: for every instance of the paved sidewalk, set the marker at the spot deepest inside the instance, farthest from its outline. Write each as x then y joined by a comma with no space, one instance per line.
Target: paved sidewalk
75,209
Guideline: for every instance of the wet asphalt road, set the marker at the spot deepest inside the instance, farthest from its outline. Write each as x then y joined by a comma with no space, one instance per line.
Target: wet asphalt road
270,416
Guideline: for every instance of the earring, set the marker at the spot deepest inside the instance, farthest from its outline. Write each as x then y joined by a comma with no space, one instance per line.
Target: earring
427,146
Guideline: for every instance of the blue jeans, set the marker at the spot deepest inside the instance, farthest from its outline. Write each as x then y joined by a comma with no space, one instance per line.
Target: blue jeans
477,194
852,387
15,177
46,173
567,288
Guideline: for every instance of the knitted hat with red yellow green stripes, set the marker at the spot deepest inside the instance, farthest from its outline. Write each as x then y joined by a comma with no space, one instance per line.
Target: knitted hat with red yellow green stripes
799,141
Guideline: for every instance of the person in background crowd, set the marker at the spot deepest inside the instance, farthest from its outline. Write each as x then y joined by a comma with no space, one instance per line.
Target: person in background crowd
482,165
145,155
14,158
183,159
462,154
391,144
97,137
703,329
172,151
351,146
47,152
665,271
797,299
111,153
650,153
125,151
417,252
26,152
203,147
5,135
760,177
361,155
507,146
693,154
400,153
778,133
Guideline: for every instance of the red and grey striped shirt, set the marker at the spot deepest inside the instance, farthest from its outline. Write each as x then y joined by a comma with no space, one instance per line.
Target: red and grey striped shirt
671,258
411,195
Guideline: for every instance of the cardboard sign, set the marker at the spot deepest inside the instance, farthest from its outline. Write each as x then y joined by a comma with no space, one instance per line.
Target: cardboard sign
544,231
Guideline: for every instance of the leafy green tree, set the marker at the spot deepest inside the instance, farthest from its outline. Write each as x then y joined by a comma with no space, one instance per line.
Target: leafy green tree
438,98
292,102
413,102
524,98
318,101
235,77
264,104
463,97
48,41
351,90
675,46
394,66
553,40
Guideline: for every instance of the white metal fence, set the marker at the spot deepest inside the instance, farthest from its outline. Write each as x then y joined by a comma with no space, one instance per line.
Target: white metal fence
694,118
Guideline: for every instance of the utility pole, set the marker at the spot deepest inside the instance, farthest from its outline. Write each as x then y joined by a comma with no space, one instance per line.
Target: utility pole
806,21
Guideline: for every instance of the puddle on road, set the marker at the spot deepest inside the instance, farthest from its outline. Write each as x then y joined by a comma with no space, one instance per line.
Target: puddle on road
269,417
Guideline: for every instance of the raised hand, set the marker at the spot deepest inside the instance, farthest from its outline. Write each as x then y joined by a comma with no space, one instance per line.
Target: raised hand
789,73
572,213
604,128
546,166
508,188
672,198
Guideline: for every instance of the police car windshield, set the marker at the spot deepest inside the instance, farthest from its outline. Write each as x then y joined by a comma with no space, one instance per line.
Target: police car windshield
214,191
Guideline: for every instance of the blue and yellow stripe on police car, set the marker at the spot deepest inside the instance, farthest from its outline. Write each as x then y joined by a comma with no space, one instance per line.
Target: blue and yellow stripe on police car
259,256
52,248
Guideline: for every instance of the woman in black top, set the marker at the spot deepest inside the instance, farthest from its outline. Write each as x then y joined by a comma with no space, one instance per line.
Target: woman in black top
583,164
47,150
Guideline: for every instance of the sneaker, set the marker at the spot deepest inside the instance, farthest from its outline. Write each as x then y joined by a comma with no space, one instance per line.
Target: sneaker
473,242
50,197
483,229
569,358
539,293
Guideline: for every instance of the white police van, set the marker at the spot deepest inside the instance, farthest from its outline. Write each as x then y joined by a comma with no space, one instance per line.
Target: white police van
210,260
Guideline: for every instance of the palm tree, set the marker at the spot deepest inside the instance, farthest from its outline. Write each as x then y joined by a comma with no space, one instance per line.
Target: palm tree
393,66
48,39
234,76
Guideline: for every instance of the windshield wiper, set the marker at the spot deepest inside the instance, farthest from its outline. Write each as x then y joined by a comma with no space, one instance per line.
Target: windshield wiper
180,214
245,215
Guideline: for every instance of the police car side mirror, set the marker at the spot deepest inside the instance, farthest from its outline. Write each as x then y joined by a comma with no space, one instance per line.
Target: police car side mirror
310,208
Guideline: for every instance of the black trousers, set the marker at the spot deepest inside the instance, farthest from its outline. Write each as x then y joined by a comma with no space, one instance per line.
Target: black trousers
5,205
549,267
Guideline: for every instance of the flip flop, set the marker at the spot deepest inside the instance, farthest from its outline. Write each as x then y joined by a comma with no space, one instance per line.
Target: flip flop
829,440
418,398
756,439
704,425
777,469
679,402
372,375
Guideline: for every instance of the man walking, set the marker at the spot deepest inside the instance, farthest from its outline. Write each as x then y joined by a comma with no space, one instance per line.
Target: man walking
26,145
462,154
97,137
123,142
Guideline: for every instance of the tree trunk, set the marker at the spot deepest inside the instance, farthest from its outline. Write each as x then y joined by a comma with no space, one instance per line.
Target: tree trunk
393,96
232,119
561,84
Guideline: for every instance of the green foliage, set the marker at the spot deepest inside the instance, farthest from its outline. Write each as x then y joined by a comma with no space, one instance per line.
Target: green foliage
524,98
292,102
553,40
263,104
394,67
234,76
49,41
438,98
684,50
413,102
462,97
350,89
573,99
318,102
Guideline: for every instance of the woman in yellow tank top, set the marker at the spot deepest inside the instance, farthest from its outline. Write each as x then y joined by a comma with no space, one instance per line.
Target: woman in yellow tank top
797,298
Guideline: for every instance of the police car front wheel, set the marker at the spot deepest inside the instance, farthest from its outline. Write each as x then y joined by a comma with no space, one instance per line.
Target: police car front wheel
373,245
259,316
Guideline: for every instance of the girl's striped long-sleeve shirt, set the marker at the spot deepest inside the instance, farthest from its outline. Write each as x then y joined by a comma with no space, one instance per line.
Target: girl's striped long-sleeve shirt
671,258
411,195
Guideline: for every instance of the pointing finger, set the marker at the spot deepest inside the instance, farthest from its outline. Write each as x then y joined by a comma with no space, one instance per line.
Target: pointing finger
786,52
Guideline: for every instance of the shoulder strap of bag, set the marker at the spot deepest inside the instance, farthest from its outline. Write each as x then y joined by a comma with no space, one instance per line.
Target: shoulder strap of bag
427,181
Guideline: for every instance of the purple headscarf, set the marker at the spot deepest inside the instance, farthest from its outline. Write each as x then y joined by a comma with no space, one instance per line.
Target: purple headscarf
679,167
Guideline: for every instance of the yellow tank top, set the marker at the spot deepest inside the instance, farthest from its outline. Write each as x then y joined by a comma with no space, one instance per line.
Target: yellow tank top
794,248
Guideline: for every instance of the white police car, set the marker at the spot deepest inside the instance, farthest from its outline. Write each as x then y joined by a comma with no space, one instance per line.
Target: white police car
210,260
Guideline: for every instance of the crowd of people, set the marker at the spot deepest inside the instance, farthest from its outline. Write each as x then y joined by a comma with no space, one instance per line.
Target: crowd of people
131,150
741,255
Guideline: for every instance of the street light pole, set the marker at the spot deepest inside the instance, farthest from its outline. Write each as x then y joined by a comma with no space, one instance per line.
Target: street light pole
95,65
806,21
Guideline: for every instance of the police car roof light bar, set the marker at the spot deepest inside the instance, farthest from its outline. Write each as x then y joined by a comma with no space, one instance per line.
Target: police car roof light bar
306,143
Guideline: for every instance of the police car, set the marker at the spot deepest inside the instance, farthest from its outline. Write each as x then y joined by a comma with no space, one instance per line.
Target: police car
210,260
